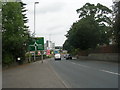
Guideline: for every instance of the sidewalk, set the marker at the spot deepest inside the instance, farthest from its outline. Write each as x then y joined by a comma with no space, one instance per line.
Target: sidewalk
33,75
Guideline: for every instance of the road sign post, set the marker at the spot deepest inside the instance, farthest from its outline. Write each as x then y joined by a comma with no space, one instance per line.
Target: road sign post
35,54
42,55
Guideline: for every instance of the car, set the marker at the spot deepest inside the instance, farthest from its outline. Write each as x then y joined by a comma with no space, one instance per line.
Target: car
57,56
64,55
68,56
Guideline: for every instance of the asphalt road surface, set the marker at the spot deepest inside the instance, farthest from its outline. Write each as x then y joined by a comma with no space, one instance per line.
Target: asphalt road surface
87,74
63,74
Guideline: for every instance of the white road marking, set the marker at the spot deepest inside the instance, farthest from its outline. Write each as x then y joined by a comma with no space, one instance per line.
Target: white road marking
73,63
96,69
110,72
84,66
81,65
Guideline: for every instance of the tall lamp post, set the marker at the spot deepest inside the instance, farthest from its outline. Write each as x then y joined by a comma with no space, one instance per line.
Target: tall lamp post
34,27
34,16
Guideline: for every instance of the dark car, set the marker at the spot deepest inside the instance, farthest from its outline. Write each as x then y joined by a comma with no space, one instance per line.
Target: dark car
68,56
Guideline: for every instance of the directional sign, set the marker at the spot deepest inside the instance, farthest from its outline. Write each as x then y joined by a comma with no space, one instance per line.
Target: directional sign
36,43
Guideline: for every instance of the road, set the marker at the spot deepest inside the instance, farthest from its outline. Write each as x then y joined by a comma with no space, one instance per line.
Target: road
87,74
62,74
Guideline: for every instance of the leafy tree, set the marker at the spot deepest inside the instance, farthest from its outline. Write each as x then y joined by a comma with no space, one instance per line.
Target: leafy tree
67,46
116,25
15,33
98,12
93,28
84,34
102,15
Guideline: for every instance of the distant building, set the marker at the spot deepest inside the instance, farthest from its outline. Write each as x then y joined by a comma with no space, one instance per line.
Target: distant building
53,46
49,45
58,47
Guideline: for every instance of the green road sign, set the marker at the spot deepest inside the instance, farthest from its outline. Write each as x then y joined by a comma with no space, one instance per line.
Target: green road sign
36,43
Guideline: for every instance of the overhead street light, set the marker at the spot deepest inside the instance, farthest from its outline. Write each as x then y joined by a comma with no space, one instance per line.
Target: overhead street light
34,26
34,17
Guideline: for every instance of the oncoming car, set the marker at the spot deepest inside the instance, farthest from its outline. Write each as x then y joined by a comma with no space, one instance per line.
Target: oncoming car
57,56
68,56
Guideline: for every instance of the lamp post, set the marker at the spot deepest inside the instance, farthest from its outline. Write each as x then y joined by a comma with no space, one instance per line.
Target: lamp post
34,16
34,26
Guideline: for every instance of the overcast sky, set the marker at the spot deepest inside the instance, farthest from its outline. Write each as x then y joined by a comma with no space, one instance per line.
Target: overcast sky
55,17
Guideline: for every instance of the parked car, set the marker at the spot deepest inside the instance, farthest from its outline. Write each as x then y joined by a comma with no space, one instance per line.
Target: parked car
68,56
57,56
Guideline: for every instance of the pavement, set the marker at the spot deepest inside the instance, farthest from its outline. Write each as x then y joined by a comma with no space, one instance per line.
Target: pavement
33,75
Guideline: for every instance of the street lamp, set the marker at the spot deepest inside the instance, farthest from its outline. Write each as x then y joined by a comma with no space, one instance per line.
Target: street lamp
34,17
34,27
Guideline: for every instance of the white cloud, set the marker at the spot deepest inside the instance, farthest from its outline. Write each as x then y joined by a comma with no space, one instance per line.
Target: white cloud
56,16
51,7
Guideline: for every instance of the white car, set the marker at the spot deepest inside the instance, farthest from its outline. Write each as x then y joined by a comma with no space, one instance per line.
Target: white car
57,56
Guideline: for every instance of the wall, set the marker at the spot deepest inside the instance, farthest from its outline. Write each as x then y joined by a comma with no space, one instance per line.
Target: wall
101,57
101,49
103,53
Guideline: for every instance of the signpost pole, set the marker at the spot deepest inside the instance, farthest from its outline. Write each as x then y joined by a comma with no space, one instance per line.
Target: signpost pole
29,57
34,54
42,55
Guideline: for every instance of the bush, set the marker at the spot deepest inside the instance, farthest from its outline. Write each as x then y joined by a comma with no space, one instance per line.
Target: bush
27,55
8,59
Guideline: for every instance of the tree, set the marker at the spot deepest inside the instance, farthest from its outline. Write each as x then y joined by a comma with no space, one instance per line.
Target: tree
84,34
93,28
116,25
67,46
15,33
98,12
102,15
